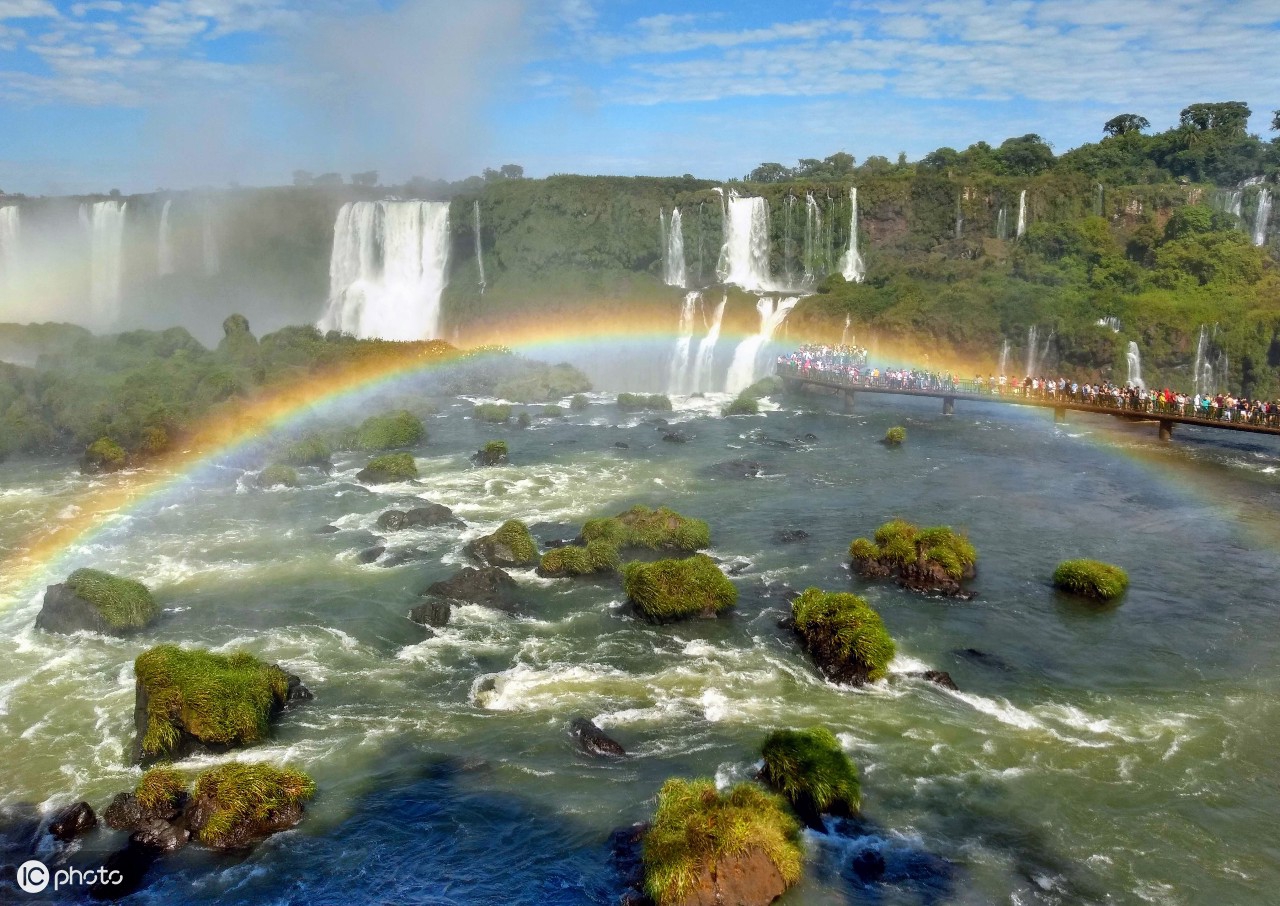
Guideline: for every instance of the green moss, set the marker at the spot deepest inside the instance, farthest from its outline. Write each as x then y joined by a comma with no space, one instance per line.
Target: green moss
221,699
809,769
243,795
515,535
160,789
844,634
660,529
310,451
1091,578
640,402
493,413
597,557
390,467
392,431
579,402
675,589
695,826
122,603
895,435
276,475
743,405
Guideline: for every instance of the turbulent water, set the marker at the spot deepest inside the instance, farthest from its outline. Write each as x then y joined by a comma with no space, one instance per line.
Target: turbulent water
1121,755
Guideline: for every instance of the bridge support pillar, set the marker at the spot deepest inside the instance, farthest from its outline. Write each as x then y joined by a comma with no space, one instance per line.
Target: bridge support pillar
1059,415
948,405
1166,430
847,406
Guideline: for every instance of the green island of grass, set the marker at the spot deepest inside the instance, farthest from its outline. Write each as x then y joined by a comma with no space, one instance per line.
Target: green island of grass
668,590
1091,578
843,634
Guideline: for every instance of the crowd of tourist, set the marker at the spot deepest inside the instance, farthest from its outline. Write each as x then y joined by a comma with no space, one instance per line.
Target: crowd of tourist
849,365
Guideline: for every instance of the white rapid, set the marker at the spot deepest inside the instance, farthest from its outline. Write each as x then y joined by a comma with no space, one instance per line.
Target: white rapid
674,270
1022,212
164,242
707,349
745,259
10,223
475,211
388,270
1261,216
105,221
1134,360
747,357
209,237
851,265
678,378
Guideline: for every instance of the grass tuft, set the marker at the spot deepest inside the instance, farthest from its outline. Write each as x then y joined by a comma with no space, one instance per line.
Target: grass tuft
392,431
242,796
493,413
1091,578
122,603
277,475
160,790
810,770
660,529
595,558
640,402
844,634
895,435
389,467
743,405
675,589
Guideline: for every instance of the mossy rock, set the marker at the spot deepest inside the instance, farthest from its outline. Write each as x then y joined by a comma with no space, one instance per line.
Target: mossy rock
510,546
94,601
388,468
592,559
667,590
103,455
895,436
552,412
641,402
662,529
934,559
277,475
844,635
743,405
493,413
766,386
1091,578
391,431
236,805
579,402
161,791
704,846
188,699
310,451
493,453
812,773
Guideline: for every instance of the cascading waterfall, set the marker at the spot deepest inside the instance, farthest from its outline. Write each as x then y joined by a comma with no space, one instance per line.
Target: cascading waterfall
1022,213
745,260
164,242
844,334
1031,351
707,348
851,266
10,223
788,242
812,238
1111,322
677,379
674,272
747,357
959,219
1133,359
1261,217
1201,371
1098,198
1235,205
212,260
1004,357
388,269
1002,224
106,237
475,211
829,235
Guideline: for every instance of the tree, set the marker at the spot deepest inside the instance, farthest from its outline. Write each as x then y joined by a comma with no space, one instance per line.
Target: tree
770,172
367,179
840,164
511,171
1227,118
1275,120
1025,156
303,178
328,179
1125,123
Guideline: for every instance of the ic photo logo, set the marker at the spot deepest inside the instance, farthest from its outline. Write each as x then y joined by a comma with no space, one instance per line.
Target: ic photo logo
34,877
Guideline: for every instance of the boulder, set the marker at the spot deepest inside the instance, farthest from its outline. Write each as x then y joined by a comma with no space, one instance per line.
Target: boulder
594,741
791,536
160,836
488,585
510,547
868,866
432,514
393,521
433,612
371,554
327,530
940,678
73,821
94,601
748,878
675,437
129,868
493,453
737,468
622,446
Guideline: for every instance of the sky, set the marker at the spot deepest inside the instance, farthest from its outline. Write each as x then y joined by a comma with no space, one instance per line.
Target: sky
104,94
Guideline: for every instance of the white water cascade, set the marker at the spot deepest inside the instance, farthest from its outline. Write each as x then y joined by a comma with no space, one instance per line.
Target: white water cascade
164,242
1004,357
747,364
844,334
10,222
677,380
1134,360
388,269
707,348
852,267
745,259
209,237
1201,371
674,271
1031,351
105,222
1022,212
812,239
475,212
1261,216
1002,224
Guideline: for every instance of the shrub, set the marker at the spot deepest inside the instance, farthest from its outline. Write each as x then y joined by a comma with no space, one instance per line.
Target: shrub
1091,578
245,799
572,560
103,455
492,453
388,468
579,402
160,790
493,413
221,699
552,412
660,529
154,441
694,827
766,386
811,771
844,634
123,603
310,451
524,420
276,475
392,431
640,402
675,589
743,405
895,435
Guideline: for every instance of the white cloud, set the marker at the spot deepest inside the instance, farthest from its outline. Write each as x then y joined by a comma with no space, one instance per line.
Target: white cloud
27,9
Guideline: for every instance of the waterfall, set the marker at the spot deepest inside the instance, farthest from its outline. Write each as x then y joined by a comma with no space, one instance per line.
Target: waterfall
1111,322
1004,357
812,238
851,266
164,242
1134,361
1098,198
1022,212
1201,371
829,236
746,364
1002,224
788,242
674,272
959,219
388,269
746,247
475,212
105,221
9,225
1235,205
1031,351
1261,216
707,348
212,260
844,334
677,379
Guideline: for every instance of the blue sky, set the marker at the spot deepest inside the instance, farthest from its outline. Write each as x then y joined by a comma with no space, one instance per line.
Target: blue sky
184,93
